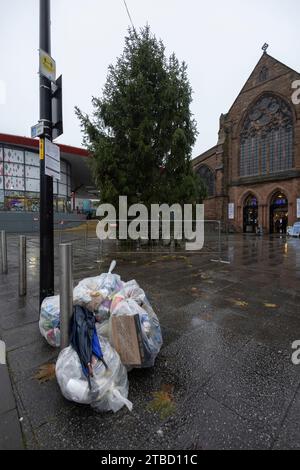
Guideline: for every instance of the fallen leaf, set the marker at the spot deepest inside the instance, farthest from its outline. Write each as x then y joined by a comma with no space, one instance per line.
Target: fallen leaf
240,303
163,401
270,305
45,373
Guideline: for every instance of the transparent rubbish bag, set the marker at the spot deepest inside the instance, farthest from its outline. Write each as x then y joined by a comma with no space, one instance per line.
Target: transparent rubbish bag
95,293
49,322
109,387
131,301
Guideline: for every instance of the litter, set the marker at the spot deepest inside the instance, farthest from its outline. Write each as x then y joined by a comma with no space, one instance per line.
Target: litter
49,323
134,327
84,340
94,293
113,329
109,386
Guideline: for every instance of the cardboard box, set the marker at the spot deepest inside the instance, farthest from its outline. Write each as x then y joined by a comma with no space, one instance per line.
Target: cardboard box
127,339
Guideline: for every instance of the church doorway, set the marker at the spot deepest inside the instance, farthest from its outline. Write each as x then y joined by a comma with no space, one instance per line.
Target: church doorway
250,214
279,213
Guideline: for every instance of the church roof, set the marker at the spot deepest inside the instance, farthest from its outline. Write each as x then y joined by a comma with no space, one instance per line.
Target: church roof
275,69
203,156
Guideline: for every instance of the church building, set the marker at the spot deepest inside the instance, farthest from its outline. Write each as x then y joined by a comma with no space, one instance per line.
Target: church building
253,173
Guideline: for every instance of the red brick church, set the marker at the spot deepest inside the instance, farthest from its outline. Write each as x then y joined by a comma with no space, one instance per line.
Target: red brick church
253,173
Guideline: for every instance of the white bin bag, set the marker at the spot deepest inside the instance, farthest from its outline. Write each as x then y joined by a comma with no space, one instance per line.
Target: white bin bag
49,323
109,387
94,293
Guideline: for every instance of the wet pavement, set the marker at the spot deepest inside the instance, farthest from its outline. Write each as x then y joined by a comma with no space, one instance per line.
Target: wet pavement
225,375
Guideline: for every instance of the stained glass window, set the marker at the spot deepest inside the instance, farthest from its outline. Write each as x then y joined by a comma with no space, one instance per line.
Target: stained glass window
208,178
266,143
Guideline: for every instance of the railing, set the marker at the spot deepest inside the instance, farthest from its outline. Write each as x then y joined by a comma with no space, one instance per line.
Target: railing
84,232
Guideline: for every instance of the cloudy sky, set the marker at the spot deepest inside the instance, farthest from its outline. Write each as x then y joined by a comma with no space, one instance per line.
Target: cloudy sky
219,40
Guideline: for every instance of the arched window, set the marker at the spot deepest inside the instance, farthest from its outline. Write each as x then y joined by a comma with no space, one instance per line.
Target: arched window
266,142
208,178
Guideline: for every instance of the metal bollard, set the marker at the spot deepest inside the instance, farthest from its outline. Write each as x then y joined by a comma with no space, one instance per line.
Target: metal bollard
66,292
4,252
22,266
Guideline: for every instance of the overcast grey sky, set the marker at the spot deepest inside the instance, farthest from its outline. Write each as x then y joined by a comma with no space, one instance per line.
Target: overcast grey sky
219,40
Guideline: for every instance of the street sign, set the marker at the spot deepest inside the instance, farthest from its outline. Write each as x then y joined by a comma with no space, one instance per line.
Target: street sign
47,66
37,130
57,108
231,211
52,160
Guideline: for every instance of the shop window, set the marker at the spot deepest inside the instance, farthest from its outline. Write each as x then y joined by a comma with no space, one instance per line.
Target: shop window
13,156
62,189
61,204
1,199
13,183
63,178
32,202
14,201
63,166
32,185
14,169
32,159
32,172
54,187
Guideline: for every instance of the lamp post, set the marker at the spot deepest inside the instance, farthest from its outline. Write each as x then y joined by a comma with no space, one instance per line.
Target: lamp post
46,182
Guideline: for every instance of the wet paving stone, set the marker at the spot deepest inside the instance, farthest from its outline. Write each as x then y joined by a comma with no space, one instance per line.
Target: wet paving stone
206,424
251,395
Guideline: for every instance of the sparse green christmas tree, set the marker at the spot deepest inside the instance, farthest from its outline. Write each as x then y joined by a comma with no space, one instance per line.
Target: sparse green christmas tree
142,131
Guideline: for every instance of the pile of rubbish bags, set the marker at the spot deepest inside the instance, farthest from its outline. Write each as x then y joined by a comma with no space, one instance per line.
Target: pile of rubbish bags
113,329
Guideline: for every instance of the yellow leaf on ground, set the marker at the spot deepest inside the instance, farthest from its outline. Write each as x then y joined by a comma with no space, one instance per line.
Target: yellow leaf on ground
163,401
270,305
45,373
240,303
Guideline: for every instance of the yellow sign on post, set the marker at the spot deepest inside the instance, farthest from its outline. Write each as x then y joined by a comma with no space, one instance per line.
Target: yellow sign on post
47,66
42,149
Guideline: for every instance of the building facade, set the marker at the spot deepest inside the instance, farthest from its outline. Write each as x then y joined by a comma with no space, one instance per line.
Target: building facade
20,176
253,173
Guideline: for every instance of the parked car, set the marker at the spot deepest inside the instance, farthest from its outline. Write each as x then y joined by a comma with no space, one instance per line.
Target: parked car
294,231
